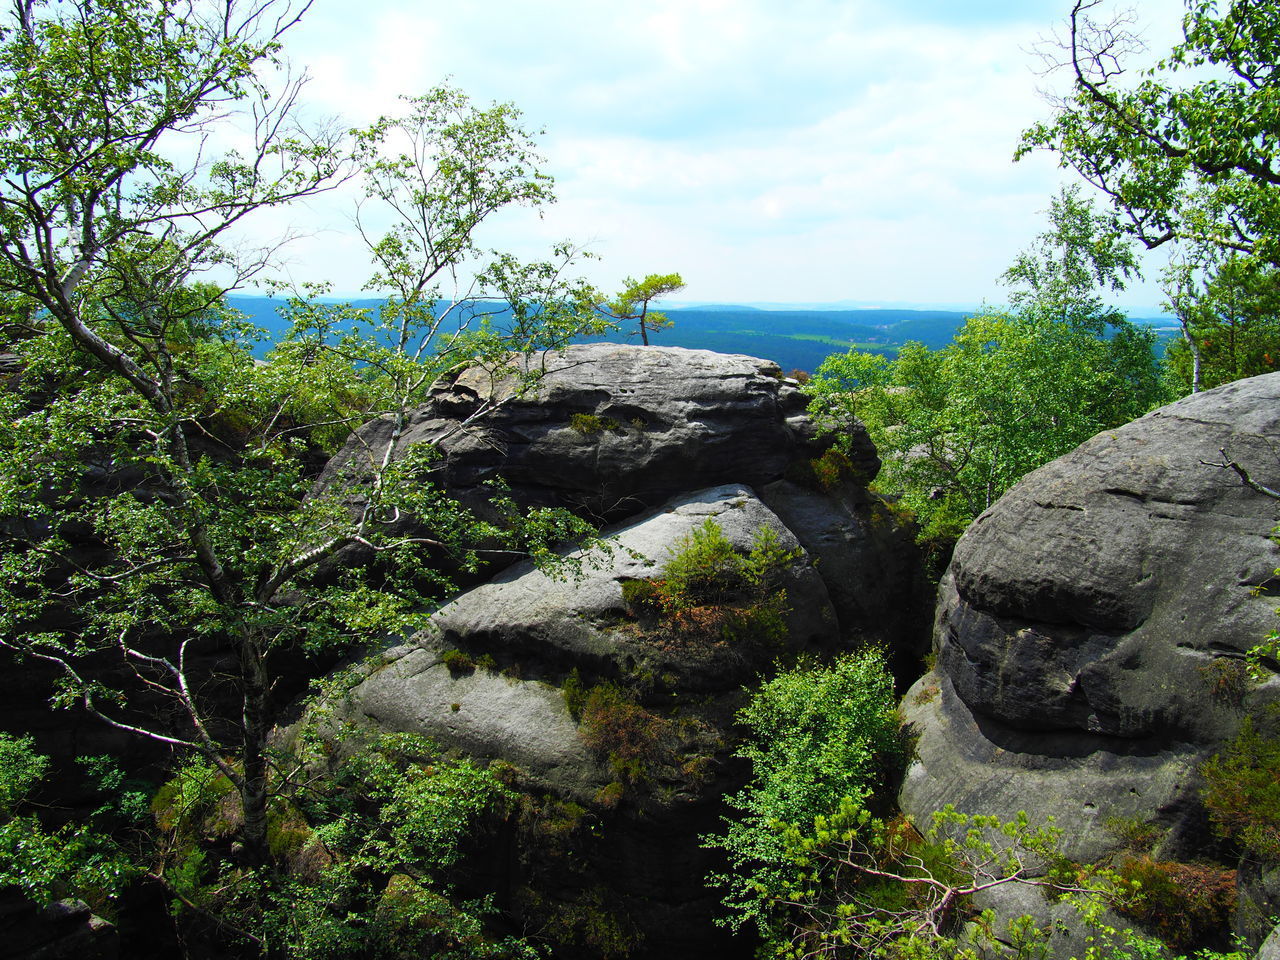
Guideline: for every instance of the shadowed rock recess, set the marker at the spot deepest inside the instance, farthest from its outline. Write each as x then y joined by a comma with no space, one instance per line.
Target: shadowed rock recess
654,441
1091,629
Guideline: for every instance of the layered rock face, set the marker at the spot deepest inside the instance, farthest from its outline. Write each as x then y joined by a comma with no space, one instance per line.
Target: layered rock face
608,430
1091,630
659,440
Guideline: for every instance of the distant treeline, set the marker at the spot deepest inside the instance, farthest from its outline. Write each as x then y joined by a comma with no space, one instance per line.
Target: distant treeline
794,339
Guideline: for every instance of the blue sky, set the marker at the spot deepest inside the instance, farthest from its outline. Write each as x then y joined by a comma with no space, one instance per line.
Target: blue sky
818,150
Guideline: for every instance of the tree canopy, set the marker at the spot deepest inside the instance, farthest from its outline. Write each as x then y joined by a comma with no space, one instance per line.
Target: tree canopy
1188,152
957,427
156,481
634,300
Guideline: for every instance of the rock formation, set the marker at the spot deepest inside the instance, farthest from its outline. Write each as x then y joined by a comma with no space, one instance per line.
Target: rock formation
1092,628
656,440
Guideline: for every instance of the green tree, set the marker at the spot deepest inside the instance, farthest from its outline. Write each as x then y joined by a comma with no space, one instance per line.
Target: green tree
633,302
957,427
75,860
1229,311
816,737
154,488
1188,152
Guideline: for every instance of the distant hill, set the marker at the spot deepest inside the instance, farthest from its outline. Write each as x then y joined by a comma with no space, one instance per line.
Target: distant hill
794,339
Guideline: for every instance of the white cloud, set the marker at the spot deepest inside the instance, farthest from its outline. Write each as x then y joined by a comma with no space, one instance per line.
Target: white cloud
830,149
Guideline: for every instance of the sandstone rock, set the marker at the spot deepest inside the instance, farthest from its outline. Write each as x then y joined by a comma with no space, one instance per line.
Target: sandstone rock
63,930
1091,635
648,856
624,434
609,429
612,431
549,627
1270,949
1257,900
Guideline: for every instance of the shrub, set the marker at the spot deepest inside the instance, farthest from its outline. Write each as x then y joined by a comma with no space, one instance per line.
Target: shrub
632,739
588,424
21,768
575,693
709,591
457,662
1228,679
642,597
817,738
74,860
824,472
1181,902
1242,792
1138,836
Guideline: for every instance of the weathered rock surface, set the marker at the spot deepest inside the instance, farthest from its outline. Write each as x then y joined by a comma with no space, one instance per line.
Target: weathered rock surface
64,930
1270,949
1257,900
537,629
1091,634
609,429
548,627
1091,631
655,440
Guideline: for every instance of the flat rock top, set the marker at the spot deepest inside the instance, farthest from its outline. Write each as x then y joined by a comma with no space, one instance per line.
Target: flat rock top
620,366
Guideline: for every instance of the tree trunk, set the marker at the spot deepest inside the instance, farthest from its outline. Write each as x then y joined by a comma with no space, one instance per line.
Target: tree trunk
253,793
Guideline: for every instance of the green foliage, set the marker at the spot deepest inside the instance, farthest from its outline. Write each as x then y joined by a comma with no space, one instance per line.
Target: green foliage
1230,320
75,860
361,863
1242,792
156,481
957,427
860,886
457,662
816,737
634,300
1182,903
21,768
634,740
1182,149
710,592
1109,943
588,424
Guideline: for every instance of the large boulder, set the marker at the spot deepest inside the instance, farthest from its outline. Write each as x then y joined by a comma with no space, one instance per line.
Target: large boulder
654,441
606,429
539,628
611,431
525,633
1092,628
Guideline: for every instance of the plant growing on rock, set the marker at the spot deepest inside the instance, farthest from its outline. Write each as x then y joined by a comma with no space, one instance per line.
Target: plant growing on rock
364,855
75,860
1242,791
709,591
633,303
817,738
860,886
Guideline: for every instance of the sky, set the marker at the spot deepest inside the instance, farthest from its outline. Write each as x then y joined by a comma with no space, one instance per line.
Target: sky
817,151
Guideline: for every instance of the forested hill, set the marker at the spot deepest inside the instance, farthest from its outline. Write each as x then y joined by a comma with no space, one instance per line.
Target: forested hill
794,339
802,339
